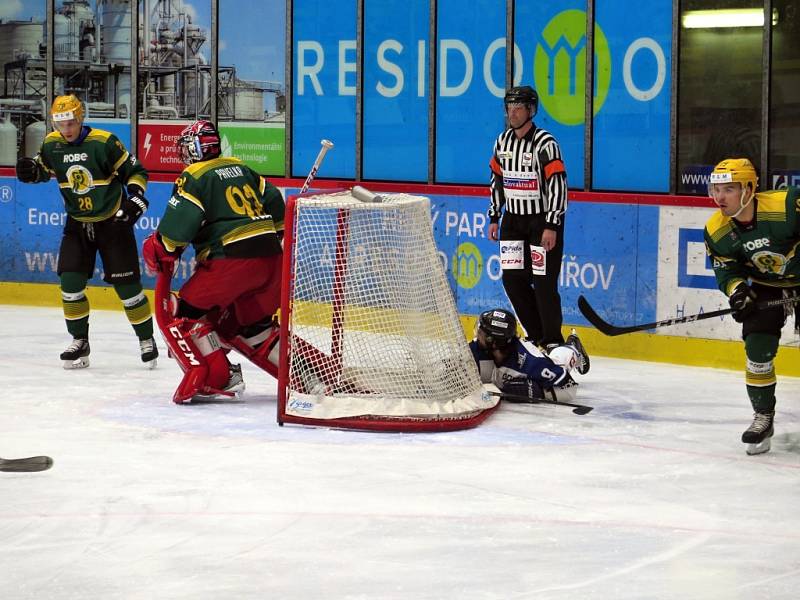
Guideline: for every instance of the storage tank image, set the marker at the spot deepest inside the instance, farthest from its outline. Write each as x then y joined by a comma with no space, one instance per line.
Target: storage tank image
19,39
8,142
34,136
115,49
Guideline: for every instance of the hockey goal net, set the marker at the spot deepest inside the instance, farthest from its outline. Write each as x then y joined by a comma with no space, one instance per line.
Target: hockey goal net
371,338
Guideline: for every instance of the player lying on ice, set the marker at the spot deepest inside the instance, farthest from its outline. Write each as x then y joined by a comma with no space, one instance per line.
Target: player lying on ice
233,217
518,367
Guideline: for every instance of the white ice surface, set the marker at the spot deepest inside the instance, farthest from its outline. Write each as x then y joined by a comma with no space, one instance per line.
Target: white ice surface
650,496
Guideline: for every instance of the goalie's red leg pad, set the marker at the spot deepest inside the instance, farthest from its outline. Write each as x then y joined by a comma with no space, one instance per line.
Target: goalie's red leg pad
195,346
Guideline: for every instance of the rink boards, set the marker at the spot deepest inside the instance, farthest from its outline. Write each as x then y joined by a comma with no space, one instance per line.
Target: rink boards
636,259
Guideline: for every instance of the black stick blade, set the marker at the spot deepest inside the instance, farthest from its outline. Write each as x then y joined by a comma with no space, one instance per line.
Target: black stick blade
26,465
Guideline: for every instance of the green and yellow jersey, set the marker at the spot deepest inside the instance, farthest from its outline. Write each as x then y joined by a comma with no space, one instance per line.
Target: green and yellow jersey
91,172
765,251
224,209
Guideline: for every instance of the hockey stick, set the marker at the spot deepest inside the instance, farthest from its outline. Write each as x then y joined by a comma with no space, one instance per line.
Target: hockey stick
609,329
578,409
33,463
326,145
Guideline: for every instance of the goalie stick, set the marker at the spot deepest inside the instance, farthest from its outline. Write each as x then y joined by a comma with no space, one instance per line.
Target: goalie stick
326,145
578,409
609,329
19,465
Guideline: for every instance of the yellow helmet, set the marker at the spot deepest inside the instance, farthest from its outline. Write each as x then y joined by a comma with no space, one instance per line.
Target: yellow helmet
734,170
66,108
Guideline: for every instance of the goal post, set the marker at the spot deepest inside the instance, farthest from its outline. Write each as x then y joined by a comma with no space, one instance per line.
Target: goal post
371,337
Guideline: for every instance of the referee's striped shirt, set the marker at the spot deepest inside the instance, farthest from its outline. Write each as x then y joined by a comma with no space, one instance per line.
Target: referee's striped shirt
534,156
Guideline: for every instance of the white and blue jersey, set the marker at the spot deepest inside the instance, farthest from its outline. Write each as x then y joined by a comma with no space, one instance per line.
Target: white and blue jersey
524,362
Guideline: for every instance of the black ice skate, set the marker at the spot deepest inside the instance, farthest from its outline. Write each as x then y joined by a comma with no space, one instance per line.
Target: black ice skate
149,352
757,436
76,356
583,358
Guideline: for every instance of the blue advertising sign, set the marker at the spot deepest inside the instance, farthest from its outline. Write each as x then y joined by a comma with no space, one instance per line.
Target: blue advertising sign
324,86
631,128
470,87
32,224
395,138
551,38
618,275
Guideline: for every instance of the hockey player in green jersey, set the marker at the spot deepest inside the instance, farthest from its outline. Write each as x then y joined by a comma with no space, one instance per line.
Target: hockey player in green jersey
753,242
233,217
103,187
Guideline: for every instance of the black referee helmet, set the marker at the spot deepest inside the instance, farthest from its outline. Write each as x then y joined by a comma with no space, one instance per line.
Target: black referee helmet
523,94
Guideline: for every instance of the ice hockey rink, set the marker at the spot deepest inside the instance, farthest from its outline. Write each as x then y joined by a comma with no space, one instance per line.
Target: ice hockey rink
650,496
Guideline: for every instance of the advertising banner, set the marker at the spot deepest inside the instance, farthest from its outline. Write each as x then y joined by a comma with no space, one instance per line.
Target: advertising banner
157,145
262,146
470,88
618,275
395,90
615,267
631,128
324,86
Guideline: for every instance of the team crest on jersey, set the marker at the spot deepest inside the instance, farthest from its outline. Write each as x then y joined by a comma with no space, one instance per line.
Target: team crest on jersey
80,179
769,262
527,159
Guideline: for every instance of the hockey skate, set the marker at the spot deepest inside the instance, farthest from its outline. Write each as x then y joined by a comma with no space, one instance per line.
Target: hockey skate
76,356
583,358
757,436
566,392
149,352
232,390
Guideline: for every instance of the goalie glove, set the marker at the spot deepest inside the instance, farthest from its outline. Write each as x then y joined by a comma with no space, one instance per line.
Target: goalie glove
27,170
743,302
156,256
133,206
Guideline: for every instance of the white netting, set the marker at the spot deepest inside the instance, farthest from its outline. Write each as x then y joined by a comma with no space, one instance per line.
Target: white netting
374,328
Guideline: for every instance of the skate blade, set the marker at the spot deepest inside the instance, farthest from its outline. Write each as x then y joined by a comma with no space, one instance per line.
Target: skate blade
759,448
78,363
151,364
233,393
231,396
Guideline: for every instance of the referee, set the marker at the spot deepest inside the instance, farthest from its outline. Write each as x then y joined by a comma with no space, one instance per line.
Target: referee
528,179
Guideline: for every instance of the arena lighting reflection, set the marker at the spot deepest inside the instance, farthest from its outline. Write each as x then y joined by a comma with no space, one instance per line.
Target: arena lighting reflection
726,17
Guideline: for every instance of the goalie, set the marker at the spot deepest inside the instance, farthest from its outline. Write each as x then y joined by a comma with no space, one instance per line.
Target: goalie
233,217
519,367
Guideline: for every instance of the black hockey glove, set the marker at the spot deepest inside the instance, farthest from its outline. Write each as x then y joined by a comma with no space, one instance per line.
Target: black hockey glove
743,302
132,207
27,170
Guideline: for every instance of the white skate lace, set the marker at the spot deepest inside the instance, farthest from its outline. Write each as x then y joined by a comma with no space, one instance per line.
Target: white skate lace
146,345
761,422
75,346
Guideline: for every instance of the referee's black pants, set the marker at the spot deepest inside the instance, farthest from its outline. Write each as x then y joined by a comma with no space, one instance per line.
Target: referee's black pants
535,298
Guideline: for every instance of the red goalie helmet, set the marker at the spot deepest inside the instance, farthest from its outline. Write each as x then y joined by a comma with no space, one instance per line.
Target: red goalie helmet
199,141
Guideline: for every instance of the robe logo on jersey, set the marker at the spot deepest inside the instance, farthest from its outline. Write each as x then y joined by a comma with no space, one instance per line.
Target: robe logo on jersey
80,179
